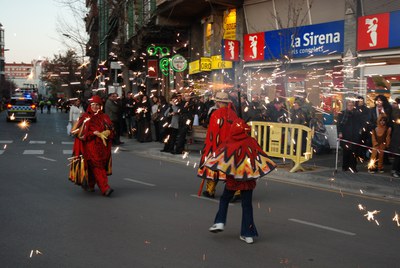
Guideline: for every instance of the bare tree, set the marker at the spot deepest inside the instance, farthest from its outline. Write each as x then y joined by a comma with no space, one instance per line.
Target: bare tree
72,30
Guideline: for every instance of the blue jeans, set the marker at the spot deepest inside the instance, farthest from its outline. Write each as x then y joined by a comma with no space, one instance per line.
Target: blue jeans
248,227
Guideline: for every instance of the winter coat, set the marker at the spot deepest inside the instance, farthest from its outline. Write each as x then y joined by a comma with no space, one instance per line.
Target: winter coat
395,143
348,125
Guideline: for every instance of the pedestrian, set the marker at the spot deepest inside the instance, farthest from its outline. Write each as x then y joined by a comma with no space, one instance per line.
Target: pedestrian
75,112
163,120
94,134
143,113
42,103
349,135
113,110
129,113
155,117
186,115
364,125
380,141
243,161
171,132
395,141
48,104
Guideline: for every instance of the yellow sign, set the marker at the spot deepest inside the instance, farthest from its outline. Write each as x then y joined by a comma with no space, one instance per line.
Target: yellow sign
205,64
194,67
217,63
230,24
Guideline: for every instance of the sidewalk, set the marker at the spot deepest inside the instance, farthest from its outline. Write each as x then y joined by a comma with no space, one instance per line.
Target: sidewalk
320,171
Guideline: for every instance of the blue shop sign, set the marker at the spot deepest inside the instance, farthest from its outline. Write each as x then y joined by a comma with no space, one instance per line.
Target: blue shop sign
300,42
394,30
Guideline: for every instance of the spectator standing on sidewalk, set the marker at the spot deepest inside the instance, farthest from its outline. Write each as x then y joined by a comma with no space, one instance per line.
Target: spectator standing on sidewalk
348,129
365,126
163,121
129,115
186,112
155,117
380,142
113,110
171,132
143,113
395,142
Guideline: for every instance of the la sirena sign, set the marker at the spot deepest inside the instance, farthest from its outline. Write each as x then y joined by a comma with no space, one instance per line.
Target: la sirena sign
298,42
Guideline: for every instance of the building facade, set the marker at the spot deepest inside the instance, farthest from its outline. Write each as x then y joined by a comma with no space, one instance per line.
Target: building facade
2,60
319,50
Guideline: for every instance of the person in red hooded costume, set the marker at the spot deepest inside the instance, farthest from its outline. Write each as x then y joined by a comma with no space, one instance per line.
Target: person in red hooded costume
94,134
217,132
242,161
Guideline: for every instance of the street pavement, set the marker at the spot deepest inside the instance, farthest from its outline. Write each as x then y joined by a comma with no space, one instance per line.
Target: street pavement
320,171
155,218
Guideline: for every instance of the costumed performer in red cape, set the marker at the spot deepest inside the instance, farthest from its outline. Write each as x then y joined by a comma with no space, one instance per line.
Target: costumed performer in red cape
243,161
94,142
217,133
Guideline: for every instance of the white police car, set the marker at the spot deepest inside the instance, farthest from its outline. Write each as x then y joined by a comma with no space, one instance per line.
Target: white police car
21,108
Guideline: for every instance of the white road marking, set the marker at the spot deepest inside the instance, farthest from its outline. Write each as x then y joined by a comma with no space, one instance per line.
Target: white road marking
322,227
67,152
6,141
140,182
37,142
45,158
208,199
67,142
33,152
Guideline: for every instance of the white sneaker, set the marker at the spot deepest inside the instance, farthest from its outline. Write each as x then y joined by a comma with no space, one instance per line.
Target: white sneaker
217,227
247,239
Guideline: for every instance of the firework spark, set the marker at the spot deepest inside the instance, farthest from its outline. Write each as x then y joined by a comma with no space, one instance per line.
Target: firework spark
396,219
371,164
24,124
371,216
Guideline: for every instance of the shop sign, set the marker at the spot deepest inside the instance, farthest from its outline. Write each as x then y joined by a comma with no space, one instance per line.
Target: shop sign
205,64
158,51
299,42
230,50
152,68
378,31
179,63
217,63
194,67
253,47
230,24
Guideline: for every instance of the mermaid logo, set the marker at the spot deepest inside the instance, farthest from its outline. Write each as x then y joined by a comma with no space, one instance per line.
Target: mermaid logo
372,30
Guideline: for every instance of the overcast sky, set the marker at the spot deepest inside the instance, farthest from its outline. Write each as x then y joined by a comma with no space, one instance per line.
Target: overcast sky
30,29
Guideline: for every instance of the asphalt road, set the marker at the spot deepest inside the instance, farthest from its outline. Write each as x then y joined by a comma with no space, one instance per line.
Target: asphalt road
155,219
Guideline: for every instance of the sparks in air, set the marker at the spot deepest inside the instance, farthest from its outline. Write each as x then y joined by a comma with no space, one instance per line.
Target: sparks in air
396,219
371,164
371,215
24,124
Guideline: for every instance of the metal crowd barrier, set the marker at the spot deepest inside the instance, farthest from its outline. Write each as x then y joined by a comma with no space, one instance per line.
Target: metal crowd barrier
282,140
